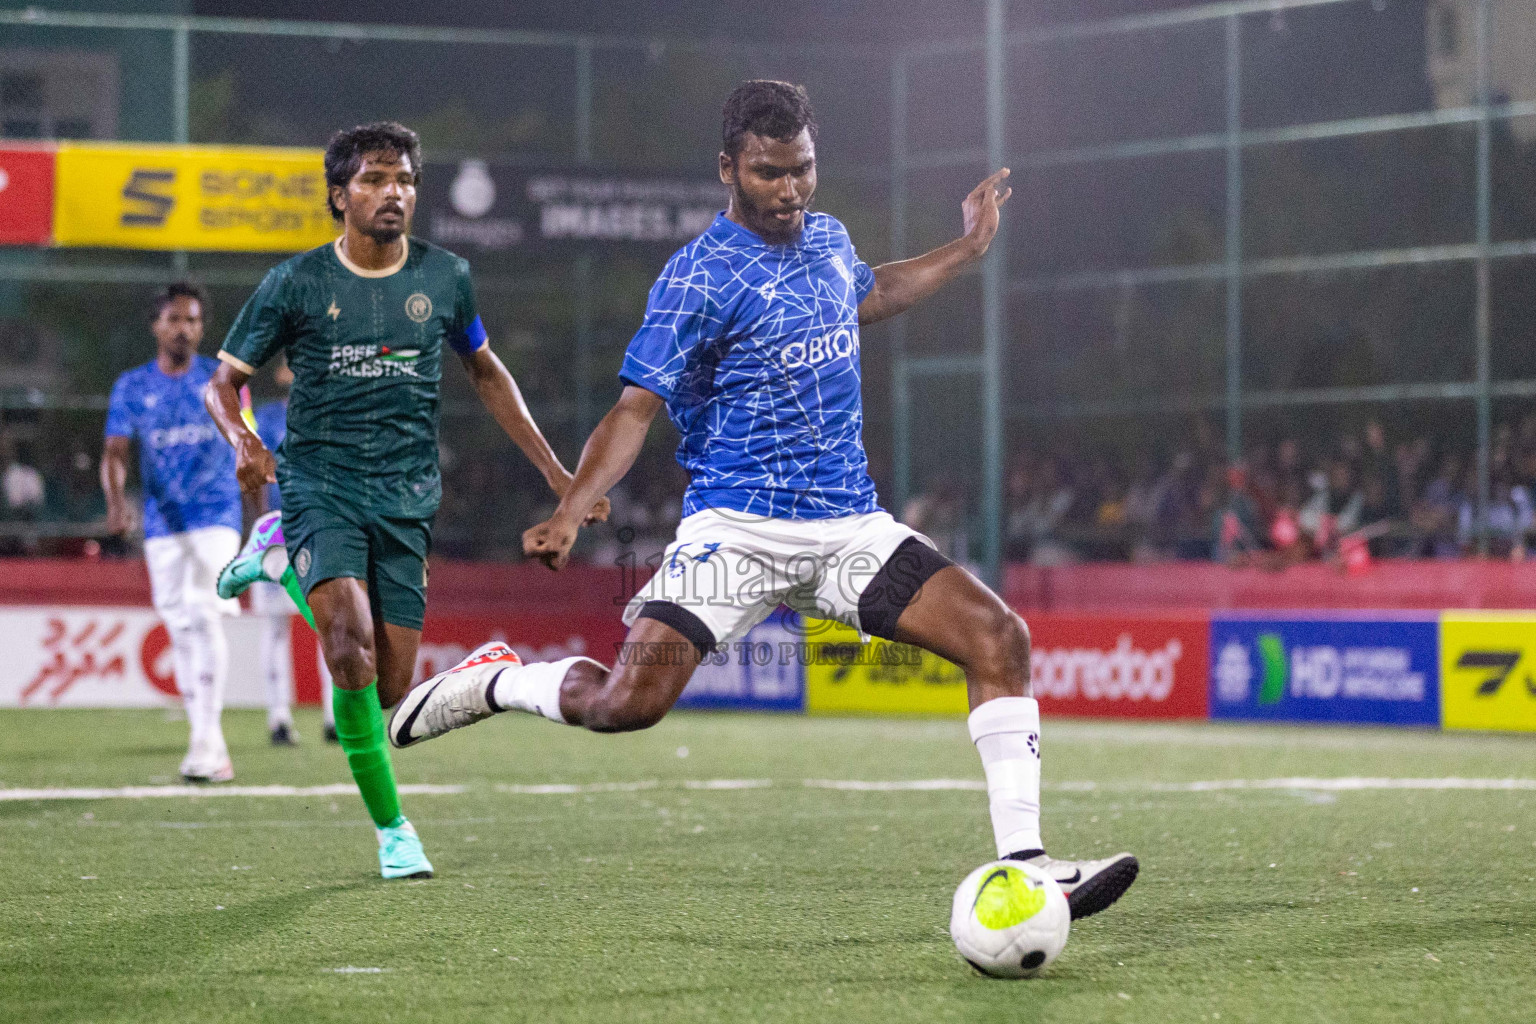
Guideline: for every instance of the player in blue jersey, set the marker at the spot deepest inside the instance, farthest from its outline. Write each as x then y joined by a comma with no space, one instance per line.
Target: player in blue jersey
751,343
191,511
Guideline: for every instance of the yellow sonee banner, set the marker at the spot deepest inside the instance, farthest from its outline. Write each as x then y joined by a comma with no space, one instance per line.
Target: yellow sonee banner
1488,671
843,676
235,199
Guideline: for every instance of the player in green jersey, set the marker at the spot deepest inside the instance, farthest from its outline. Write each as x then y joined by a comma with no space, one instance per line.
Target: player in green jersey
364,322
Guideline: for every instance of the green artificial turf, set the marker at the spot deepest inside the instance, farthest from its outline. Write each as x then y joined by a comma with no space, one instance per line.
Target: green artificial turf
664,901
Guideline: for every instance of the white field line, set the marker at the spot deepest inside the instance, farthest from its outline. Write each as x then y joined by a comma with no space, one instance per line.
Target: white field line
728,784
848,785
145,792
1337,785
856,785
567,788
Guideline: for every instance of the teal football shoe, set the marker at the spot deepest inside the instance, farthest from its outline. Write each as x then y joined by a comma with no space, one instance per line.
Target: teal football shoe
400,853
247,567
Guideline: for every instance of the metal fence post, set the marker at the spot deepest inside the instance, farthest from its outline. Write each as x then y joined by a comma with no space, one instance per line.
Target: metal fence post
181,102
1234,239
1484,272
585,416
901,385
994,295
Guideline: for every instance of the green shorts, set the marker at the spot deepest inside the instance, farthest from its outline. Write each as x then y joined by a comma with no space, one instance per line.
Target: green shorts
389,554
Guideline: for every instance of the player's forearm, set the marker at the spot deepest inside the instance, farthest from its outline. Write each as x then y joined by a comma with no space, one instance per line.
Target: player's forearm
900,285
222,399
607,456
114,479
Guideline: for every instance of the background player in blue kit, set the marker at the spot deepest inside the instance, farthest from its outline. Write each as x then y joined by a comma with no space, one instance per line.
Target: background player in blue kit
751,342
192,511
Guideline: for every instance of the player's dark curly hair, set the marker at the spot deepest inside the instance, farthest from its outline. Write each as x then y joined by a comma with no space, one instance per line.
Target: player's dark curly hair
344,154
178,290
774,110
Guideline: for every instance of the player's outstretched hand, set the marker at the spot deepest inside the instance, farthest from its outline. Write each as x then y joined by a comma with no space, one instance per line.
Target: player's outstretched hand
550,542
254,467
599,513
980,209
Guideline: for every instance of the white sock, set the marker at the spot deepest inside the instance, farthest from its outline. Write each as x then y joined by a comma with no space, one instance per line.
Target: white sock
274,561
210,654
1006,732
276,671
187,685
535,688
327,698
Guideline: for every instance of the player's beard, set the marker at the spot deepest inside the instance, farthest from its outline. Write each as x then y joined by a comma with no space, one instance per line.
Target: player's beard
762,222
384,235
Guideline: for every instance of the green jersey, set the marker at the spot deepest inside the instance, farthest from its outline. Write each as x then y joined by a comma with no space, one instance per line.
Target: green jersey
366,349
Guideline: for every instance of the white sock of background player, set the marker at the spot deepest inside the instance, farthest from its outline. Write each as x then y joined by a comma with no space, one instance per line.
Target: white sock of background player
277,670
1006,731
327,699
186,683
210,653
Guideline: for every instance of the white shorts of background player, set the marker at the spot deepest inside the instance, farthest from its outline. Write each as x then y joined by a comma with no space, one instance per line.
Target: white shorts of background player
183,568
732,569
272,603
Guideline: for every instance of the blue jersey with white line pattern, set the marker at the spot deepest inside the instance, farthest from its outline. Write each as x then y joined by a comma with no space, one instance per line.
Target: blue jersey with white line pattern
271,426
187,469
754,347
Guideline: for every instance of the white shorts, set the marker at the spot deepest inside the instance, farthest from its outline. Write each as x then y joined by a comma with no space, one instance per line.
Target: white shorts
732,570
271,599
183,570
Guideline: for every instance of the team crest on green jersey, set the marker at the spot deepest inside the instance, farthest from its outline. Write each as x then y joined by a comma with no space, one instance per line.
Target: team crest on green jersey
418,307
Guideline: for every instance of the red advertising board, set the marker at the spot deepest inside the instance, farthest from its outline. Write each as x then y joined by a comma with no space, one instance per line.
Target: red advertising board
26,196
447,639
1120,666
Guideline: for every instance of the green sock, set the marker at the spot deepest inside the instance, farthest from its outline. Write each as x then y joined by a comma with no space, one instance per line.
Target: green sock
360,728
290,583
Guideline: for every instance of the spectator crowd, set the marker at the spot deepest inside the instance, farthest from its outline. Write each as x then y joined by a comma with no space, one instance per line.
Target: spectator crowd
1354,496
1358,495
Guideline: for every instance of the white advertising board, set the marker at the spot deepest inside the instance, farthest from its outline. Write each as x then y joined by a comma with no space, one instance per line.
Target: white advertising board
109,657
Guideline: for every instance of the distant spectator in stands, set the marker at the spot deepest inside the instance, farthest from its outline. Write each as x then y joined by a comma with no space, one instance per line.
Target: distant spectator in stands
940,514
1410,460
1179,530
1018,540
1051,498
1142,496
1288,467
1434,514
25,492
1237,530
1377,465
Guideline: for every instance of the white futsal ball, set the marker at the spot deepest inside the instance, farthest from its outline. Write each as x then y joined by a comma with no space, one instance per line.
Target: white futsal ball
1010,919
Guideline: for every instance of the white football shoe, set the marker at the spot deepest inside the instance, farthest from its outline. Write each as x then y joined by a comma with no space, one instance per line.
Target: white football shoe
1089,885
215,768
453,699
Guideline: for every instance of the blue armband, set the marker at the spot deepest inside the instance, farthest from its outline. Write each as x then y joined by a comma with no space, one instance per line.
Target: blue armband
470,340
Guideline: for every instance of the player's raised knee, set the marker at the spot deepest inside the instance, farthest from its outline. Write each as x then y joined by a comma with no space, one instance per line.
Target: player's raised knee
1000,649
348,651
